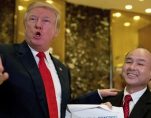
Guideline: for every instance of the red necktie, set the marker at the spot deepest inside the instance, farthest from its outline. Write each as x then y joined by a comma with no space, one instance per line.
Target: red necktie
49,87
127,100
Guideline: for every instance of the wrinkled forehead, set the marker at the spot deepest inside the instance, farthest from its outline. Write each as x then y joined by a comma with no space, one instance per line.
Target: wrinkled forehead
42,12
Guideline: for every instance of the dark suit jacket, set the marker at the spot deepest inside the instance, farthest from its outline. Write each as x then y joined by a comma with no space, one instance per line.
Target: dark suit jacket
23,95
142,109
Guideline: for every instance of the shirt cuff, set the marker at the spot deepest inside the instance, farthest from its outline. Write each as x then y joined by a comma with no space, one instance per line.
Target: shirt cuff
100,94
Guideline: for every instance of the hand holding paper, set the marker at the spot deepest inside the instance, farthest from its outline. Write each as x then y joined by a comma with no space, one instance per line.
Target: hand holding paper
94,111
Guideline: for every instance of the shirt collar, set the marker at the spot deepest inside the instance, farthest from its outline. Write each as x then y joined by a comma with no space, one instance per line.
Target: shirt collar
35,52
135,96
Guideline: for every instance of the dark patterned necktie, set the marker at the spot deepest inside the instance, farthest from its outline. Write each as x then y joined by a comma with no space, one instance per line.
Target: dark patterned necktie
49,87
127,100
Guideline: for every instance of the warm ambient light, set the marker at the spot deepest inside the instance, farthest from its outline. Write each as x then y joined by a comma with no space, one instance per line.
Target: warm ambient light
136,18
117,14
127,24
20,8
128,7
141,0
148,10
49,1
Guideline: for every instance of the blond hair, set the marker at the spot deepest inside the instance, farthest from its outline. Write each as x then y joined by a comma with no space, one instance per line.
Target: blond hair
46,6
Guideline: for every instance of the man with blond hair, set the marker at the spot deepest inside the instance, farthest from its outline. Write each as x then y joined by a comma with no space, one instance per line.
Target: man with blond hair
34,84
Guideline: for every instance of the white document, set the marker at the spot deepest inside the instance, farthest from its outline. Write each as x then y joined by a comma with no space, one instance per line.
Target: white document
93,111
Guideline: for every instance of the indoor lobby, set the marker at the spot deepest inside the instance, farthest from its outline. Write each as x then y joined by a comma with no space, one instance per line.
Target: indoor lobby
94,37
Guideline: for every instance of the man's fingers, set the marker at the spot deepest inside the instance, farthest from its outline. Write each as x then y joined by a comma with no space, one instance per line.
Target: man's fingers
108,92
3,75
1,66
115,90
112,93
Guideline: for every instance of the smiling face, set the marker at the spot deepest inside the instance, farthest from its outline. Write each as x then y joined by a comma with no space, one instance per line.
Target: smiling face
137,69
40,28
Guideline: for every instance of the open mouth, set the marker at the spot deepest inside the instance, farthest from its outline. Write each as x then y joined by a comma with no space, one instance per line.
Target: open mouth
37,35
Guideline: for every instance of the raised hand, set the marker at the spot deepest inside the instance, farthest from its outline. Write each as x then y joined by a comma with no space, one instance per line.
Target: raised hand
108,92
3,75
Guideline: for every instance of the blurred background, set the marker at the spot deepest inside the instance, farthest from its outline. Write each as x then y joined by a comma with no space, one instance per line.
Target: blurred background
94,37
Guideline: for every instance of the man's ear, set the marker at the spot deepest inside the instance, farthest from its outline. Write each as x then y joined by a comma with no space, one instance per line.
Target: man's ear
150,76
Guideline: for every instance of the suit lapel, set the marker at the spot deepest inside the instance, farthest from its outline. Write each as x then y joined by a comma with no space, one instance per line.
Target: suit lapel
64,80
27,59
140,108
60,72
117,100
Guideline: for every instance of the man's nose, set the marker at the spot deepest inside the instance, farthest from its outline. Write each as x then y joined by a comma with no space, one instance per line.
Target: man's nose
38,24
132,66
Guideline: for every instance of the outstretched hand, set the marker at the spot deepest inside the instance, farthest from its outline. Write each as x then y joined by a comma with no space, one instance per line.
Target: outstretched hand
108,92
3,75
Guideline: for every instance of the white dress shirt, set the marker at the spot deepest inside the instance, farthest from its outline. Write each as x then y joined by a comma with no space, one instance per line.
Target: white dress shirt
54,75
135,97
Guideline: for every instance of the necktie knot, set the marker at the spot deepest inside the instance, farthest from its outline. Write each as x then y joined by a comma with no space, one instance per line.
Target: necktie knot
127,98
41,55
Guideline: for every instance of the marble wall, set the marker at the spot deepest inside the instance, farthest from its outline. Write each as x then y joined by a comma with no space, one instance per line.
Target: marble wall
87,44
87,51
7,12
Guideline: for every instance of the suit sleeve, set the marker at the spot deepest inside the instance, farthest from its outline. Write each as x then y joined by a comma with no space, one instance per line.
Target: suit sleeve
90,98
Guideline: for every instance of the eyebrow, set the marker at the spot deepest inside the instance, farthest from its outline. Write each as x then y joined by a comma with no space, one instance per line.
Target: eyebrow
37,16
140,60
